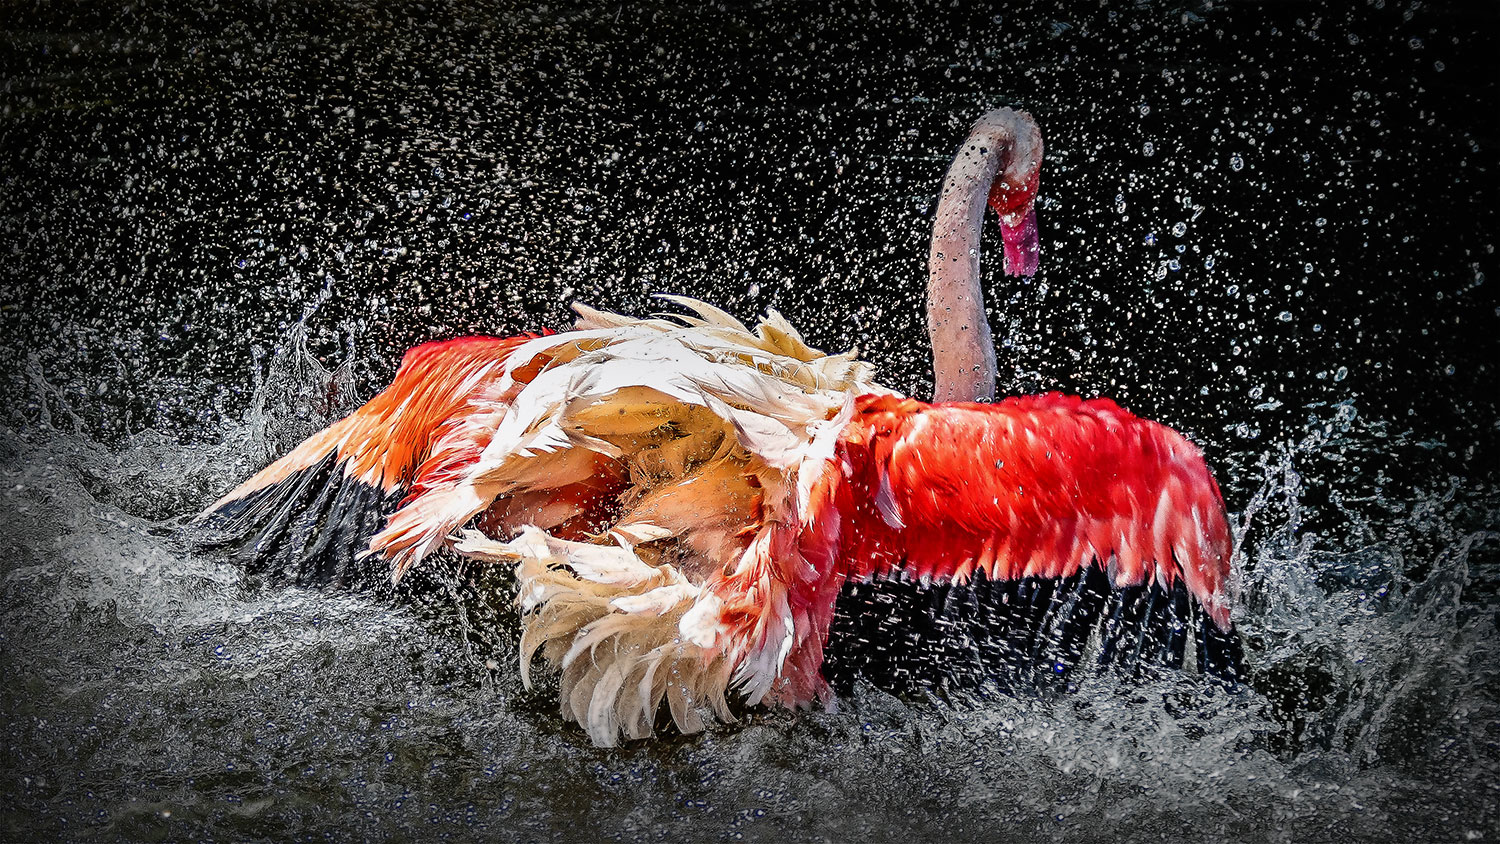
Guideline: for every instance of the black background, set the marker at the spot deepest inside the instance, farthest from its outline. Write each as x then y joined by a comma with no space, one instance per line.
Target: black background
1270,225
181,183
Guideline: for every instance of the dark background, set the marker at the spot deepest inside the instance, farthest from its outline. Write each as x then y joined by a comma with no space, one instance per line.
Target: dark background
1247,208
1270,225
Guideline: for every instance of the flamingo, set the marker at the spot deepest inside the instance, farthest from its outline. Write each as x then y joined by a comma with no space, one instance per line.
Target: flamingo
685,498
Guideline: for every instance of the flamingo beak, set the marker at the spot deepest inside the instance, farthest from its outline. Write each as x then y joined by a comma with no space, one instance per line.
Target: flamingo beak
1022,250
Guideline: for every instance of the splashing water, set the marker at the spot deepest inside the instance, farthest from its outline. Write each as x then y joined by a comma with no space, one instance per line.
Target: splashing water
166,696
1269,226
297,398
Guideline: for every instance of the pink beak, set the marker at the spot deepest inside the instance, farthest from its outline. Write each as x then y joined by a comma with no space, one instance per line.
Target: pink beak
1022,251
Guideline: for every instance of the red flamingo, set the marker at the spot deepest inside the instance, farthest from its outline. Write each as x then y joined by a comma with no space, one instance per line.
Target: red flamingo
686,498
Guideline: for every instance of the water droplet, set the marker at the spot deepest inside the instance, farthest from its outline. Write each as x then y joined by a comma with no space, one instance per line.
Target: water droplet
1149,148
1341,373
1285,316
1236,163
1180,229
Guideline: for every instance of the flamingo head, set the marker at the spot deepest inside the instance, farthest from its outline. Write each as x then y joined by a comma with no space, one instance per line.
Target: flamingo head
1013,196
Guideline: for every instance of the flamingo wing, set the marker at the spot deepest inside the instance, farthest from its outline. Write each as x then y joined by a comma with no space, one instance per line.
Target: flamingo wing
305,517
643,476
688,584
1081,511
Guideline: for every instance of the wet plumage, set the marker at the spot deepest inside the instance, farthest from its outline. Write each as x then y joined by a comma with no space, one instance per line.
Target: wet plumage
686,499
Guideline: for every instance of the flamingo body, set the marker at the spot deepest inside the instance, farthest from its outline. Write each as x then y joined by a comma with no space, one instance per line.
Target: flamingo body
691,503
686,500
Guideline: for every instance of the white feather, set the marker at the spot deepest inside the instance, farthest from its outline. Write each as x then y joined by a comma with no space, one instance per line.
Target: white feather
628,629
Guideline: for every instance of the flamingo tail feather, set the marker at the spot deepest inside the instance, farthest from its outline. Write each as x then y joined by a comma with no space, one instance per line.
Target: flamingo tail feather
306,528
309,517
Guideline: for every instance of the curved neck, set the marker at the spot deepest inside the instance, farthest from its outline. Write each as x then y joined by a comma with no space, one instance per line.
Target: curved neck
1000,157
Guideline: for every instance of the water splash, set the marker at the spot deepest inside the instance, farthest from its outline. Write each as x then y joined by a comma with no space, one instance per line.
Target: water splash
1371,703
178,178
1365,641
296,396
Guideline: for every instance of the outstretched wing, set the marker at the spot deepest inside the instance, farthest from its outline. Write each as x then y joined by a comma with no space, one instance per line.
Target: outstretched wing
684,439
305,517
1076,508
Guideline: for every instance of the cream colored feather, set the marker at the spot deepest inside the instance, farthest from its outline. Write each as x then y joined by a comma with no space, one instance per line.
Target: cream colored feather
718,432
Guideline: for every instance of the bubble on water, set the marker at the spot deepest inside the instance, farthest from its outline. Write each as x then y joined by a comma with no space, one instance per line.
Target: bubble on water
1236,163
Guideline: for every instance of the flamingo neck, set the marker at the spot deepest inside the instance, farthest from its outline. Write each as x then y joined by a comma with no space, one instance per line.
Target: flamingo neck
1002,153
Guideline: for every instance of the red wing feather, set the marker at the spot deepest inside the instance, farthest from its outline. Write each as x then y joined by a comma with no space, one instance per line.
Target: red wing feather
1036,486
